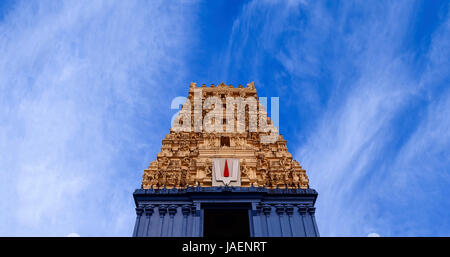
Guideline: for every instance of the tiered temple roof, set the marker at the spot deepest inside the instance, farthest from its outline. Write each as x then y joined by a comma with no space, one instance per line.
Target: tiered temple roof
186,156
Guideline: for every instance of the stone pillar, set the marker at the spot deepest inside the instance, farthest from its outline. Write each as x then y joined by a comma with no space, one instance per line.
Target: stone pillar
290,212
280,211
162,212
267,209
195,221
257,220
312,211
139,211
185,209
302,210
148,214
172,212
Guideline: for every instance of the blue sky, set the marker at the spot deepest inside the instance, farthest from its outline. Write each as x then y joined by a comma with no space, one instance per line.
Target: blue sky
86,86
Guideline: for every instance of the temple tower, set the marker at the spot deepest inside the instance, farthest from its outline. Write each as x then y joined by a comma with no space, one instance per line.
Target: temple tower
224,170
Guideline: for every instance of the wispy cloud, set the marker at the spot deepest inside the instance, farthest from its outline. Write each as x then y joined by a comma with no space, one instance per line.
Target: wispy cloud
371,114
366,184
81,87
85,89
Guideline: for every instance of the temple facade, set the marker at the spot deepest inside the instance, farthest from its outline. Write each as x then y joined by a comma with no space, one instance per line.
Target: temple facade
224,170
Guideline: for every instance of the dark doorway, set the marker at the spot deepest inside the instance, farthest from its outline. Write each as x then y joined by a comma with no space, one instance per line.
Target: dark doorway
224,141
220,222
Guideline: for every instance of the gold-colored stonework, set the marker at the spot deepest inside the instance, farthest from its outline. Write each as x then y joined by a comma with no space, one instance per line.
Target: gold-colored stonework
186,156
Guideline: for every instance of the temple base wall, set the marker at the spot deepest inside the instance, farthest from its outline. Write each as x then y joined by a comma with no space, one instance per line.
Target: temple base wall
180,212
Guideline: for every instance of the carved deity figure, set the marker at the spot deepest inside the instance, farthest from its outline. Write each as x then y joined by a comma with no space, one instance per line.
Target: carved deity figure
208,169
244,170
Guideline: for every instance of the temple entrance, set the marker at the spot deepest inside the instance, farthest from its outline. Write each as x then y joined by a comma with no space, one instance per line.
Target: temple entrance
226,221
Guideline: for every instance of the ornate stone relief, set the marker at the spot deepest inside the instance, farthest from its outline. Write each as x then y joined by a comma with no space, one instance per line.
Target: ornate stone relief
186,157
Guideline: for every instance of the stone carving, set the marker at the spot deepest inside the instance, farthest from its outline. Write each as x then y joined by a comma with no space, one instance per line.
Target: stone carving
185,157
244,170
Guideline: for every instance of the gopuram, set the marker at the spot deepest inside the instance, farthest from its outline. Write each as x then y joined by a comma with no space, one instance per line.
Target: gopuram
224,170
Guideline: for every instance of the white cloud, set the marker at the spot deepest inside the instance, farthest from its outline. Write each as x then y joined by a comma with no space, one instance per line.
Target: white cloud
360,185
349,152
82,85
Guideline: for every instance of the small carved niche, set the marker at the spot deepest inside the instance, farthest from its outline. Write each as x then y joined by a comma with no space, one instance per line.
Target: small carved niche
225,141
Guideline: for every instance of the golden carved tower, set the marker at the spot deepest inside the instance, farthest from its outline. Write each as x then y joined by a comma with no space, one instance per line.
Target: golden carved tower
186,155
